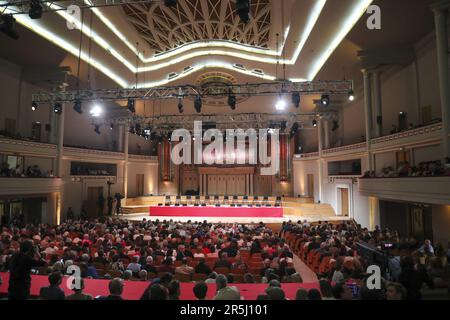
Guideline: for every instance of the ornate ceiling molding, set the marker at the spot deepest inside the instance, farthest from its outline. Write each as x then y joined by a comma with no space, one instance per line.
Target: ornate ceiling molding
167,28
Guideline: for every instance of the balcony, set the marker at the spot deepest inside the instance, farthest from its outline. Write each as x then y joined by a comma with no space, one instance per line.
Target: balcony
431,190
29,186
25,147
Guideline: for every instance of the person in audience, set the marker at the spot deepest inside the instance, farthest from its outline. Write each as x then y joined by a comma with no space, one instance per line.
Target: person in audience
275,293
89,269
223,262
301,294
184,269
53,291
202,267
167,266
158,293
314,294
325,290
148,266
174,290
211,278
115,290
20,265
225,292
249,278
395,291
143,275
262,297
134,266
342,292
200,290
127,275
78,292
426,248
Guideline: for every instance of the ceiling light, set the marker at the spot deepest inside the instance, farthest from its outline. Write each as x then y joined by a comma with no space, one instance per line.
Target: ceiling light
57,108
34,106
96,111
77,106
232,100
280,105
198,104
131,106
97,129
296,99
170,3
243,10
351,95
8,26
314,123
35,11
180,106
325,100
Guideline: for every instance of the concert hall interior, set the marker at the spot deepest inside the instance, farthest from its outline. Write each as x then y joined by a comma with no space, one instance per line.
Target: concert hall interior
281,145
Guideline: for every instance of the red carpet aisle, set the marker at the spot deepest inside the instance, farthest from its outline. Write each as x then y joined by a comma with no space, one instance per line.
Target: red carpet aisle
233,212
134,289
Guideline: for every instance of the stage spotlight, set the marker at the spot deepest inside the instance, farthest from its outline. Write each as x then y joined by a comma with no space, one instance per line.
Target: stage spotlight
243,10
335,125
325,99
170,3
351,95
35,11
57,108
198,104
111,126
314,123
97,129
96,111
8,26
77,106
131,105
296,99
280,105
180,106
232,101
294,129
34,106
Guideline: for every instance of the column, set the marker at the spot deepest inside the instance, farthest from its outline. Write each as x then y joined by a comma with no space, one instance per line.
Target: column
247,182
377,103
368,113
326,133
201,184
60,146
125,165
252,176
440,18
205,184
319,162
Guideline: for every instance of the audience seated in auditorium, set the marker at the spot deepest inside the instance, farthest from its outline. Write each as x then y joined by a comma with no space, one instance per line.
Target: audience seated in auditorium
200,290
115,290
53,291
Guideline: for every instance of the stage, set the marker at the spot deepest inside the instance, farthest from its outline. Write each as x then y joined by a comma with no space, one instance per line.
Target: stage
215,212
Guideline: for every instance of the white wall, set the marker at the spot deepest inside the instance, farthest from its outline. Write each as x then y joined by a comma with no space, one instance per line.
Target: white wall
150,172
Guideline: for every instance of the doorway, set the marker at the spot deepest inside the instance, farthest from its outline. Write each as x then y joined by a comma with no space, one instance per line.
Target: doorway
139,185
344,200
95,202
310,179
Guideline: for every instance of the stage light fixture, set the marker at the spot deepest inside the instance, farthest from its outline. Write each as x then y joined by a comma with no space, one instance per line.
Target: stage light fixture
280,105
351,95
296,99
131,106
111,126
8,26
294,129
96,111
97,129
57,108
243,10
35,11
77,106
232,100
34,106
198,104
325,100
180,106
170,3
314,123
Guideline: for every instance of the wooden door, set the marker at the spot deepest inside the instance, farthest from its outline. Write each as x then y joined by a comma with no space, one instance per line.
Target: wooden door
139,185
344,203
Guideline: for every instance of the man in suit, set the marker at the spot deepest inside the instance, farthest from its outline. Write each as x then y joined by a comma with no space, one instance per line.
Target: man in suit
115,290
53,291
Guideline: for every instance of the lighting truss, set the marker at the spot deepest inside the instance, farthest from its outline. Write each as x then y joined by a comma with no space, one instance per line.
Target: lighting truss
23,6
190,91
167,123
